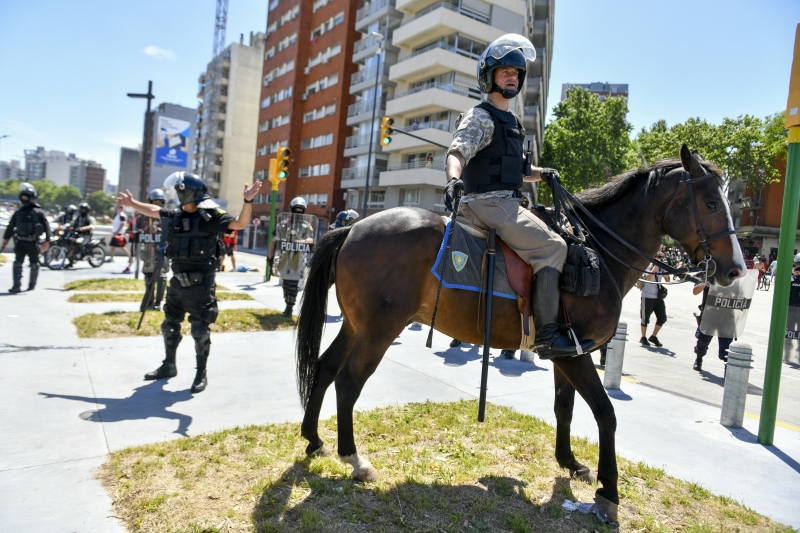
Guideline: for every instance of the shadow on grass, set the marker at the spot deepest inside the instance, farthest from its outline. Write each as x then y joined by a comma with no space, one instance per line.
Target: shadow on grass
302,500
147,401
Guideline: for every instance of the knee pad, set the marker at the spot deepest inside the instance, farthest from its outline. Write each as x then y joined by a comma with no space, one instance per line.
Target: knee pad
171,332
200,332
18,263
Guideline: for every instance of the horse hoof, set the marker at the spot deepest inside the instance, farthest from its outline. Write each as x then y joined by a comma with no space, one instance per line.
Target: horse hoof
366,475
322,451
610,509
583,474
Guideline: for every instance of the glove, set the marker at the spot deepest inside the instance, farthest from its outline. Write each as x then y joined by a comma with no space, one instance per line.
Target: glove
269,261
549,175
454,188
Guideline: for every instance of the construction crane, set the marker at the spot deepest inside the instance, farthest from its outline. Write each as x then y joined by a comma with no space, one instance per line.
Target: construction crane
220,23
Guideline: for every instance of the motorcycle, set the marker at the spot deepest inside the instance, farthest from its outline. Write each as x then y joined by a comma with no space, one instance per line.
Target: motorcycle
66,248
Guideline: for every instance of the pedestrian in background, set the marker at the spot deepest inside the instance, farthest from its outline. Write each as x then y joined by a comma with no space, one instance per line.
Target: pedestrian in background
653,295
229,240
118,238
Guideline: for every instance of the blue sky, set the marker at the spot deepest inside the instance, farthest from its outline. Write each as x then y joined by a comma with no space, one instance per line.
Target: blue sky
67,66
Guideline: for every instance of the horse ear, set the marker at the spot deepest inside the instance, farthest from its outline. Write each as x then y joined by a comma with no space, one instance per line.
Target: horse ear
686,158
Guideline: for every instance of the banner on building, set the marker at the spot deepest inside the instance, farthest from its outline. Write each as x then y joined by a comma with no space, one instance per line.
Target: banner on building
172,142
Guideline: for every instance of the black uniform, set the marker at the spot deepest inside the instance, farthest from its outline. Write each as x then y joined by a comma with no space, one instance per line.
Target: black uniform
192,246
27,224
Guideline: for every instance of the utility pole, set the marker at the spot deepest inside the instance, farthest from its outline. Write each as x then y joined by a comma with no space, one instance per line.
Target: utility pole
147,138
379,38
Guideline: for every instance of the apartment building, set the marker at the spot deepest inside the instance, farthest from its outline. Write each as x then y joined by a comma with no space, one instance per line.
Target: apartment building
602,90
88,177
423,57
130,169
52,165
304,101
227,120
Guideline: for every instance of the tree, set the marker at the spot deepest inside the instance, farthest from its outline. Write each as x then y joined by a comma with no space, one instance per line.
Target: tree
588,140
100,202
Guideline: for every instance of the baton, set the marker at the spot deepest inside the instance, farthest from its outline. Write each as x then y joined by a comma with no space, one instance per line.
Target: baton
487,330
148,293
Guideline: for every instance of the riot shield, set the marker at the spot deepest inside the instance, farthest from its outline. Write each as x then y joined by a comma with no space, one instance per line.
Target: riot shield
295,235
149,241
726,308
791,343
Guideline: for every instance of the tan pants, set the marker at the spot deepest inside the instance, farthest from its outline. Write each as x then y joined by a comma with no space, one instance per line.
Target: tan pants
535,243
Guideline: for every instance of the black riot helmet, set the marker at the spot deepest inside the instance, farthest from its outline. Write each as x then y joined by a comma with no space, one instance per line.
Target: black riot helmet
83,208
510,50
188,187
70,210
27,193
156,195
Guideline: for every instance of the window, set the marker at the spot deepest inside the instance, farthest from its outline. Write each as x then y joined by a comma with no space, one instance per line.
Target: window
377,199
277,97
272,28
273,4
316,142
286,42
323,84
273,123
315,170
319,3
320,199
270,148
278,71
324,56
319,113
352,200
438,202
409,197
327,26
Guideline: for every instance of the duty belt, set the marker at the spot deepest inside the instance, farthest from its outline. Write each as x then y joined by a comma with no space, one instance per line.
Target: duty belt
189,279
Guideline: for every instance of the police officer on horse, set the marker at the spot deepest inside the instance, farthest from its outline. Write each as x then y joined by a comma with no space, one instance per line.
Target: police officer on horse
27,224
486,155
190,235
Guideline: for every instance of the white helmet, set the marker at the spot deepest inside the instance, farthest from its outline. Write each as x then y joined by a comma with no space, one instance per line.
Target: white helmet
797,260
300,203
352,215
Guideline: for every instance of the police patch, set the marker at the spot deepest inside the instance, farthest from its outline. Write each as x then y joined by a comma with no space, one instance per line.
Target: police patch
460,260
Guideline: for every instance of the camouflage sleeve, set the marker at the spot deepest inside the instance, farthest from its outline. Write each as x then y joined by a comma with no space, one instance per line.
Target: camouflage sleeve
474,132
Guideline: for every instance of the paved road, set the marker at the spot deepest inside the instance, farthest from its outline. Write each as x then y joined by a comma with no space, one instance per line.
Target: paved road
67,401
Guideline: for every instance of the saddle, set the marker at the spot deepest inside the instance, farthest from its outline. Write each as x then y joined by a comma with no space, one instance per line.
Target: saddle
520,273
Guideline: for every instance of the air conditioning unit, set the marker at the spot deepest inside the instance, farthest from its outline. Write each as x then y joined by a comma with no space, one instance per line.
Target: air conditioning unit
304,97
325,61
307,70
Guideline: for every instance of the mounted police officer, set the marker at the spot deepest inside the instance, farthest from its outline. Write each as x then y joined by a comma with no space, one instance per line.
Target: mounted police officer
149,236
296,233
190,235
27,224
340,222
487,156
352,215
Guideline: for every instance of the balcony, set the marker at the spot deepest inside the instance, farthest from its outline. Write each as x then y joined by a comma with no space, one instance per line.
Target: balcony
430,132
356,177
440,21
374,11
432,97
538,33
359,144
369,46
364,79
416,173
363,111
433,60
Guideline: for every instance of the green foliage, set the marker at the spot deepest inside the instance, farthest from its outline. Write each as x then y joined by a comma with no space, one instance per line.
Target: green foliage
588,140
50,194
746,147
101,203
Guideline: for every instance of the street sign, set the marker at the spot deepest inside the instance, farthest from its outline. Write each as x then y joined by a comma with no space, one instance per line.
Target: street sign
256,222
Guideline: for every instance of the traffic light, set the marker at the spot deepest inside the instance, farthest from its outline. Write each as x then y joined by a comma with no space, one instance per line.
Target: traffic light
283,162
386,130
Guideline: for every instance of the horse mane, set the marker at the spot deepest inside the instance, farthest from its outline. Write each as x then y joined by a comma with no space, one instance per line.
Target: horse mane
619,185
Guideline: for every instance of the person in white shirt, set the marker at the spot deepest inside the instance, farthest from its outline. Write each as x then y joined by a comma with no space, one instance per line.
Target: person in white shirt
118,238
651,302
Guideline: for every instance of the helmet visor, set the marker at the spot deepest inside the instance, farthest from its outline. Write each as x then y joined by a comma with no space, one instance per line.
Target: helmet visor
508,42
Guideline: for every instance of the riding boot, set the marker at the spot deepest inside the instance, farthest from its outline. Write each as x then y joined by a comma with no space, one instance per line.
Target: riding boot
172,338
202,346
34,276
17,273
546,296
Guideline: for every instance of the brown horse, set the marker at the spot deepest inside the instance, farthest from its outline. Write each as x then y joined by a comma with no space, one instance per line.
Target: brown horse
382,268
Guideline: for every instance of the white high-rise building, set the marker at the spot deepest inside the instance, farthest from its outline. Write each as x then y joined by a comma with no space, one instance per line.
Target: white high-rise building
428,76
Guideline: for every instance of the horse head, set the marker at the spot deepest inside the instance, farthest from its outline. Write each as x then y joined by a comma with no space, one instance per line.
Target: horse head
698,216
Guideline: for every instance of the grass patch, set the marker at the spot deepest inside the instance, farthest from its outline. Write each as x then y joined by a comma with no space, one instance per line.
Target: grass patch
440,471
119,324
3,259
93,297
110,284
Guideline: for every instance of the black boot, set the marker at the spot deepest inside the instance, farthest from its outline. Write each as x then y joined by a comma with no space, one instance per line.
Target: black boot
202,346
17,273
455,343
290,288
172,338
546,295
161,286
288,311
34,277
698,363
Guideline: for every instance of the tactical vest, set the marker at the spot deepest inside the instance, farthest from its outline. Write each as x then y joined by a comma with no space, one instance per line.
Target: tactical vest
27,219
499,166
187,244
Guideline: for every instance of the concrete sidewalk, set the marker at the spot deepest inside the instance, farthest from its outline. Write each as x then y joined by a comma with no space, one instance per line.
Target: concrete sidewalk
67,402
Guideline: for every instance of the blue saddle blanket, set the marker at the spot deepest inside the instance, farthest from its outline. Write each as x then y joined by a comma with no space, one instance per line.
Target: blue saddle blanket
461,269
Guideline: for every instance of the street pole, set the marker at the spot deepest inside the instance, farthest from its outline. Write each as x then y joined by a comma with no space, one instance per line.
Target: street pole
275,180
379,37
145,147
783,274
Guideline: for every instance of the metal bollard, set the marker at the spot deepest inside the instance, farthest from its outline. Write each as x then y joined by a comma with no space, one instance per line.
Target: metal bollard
527,356
614,357
740,355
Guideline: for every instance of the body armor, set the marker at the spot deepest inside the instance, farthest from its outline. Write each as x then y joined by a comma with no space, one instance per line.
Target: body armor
187,244
28,224
499,166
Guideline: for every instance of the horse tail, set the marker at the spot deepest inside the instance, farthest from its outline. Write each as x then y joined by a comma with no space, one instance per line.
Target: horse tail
313,310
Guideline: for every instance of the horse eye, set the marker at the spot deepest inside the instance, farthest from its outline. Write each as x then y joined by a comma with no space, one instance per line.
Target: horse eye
712,206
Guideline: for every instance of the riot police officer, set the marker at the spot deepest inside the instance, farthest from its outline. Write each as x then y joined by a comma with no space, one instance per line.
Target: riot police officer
189,235
295,231
66,217
352,215
149,233
27,224
82,224
340,222
486,155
